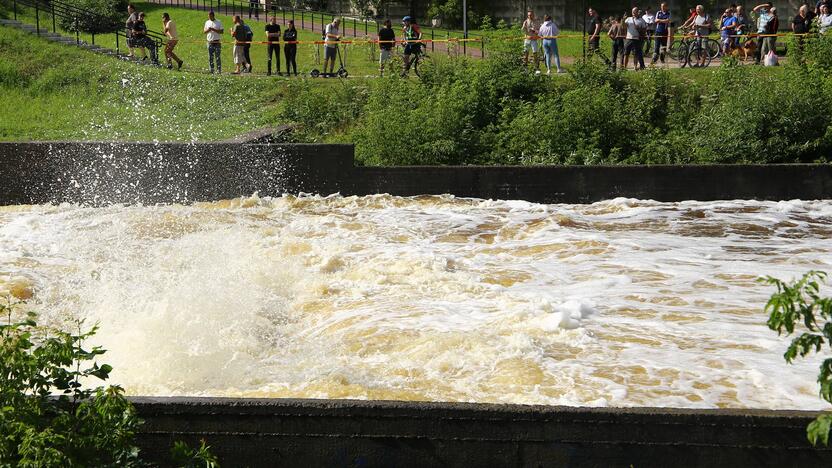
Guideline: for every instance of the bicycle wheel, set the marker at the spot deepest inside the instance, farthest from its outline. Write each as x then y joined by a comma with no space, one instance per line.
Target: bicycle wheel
698,56
712,47
421,65
678,51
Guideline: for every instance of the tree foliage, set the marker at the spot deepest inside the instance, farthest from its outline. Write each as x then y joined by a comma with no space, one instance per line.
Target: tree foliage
47,416
799,307
50,417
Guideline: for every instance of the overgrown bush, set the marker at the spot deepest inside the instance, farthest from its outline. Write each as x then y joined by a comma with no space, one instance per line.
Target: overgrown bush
48,414
493,111
79,426
108,15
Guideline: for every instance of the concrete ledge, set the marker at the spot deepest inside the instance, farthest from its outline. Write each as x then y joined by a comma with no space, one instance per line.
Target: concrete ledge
286,432
105,173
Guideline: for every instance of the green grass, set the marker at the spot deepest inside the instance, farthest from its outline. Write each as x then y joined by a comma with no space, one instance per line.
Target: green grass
54,92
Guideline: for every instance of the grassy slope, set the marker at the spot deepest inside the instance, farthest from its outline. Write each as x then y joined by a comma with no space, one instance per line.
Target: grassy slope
53,92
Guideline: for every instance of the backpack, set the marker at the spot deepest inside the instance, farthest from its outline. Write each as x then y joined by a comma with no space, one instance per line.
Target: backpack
249,33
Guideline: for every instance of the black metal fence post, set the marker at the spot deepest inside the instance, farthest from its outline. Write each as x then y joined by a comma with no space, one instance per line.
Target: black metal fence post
52,6
117,46
15,10
432,36
37,18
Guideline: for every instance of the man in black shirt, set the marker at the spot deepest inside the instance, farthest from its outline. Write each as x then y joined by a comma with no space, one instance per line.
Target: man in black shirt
593,30
386,38
273,35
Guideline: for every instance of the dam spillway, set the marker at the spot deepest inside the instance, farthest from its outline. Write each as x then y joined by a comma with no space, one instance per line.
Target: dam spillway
605,287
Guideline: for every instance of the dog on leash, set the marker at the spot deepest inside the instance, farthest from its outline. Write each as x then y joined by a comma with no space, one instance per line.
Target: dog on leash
748,48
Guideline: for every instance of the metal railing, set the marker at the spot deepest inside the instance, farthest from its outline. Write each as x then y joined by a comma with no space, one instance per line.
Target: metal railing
55,10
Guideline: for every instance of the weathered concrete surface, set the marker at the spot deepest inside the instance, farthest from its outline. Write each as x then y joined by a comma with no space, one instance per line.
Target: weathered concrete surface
278,432
103,173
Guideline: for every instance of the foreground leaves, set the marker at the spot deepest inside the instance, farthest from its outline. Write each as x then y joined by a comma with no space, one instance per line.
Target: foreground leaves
800,306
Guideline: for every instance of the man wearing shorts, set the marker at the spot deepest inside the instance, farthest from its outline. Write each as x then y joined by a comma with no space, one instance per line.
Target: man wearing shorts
531,43
331,38
412,35
169,28
636,29
386,41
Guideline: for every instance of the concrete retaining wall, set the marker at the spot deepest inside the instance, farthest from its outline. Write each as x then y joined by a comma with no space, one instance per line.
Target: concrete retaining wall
252,432
103,173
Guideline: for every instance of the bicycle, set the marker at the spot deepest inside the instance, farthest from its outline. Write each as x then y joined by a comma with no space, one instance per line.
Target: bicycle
418,60
690,45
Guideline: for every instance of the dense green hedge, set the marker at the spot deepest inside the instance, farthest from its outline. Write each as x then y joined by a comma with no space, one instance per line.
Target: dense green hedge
492,112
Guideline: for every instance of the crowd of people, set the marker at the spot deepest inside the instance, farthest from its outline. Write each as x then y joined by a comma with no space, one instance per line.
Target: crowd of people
755,33
139,40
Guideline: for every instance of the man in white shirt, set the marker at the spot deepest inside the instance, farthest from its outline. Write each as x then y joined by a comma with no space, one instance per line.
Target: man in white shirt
636,29
530,27
331,38
213,34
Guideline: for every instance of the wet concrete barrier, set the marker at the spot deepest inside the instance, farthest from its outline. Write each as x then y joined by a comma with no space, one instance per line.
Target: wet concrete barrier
103,173
286,432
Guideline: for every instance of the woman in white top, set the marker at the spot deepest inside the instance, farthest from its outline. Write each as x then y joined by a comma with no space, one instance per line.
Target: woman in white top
548,31
824,19
169,28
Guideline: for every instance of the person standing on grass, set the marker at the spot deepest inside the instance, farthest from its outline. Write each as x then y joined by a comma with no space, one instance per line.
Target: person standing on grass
743,26
763,17
145,41
531,41
254,6
824,19
290,47
273,36
594,31
727,29
238,32
662,35
213,34
411,35
636,28
248,37
386,41
169,28
769,40
331,37
701,27
548,31
616,33
132,17
650,20
801,24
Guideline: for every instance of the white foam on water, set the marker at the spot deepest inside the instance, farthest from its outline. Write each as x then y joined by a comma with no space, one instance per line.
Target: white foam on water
622,302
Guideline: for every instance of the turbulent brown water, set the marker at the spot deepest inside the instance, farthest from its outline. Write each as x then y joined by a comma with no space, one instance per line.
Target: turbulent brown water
622,302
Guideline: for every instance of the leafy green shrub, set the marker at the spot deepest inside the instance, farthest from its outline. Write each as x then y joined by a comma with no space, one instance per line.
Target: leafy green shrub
47,415
107,16
81,426
799,306
322,108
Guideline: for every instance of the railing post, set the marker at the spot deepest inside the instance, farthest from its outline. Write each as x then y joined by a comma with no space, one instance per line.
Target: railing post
52,6
93,38
15,10
117,47
432,44
483,46
353,28
37,18
301,20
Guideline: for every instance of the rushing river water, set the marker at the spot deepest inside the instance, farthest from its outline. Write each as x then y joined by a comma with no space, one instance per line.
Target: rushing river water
621,303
